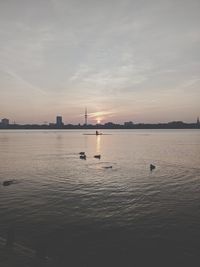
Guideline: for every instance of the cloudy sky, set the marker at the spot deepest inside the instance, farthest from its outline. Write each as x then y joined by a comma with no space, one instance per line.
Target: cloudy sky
125,60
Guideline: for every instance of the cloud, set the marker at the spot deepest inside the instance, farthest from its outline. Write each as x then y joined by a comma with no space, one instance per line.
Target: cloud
101,113
23,83
191,82
108,55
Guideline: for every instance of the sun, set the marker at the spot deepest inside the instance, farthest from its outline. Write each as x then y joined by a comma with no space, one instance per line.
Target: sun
98,121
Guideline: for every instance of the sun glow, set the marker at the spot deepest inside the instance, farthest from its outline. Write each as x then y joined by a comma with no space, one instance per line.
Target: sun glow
98,121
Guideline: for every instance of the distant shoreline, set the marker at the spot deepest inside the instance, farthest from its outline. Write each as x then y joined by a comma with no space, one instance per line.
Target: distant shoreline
102,127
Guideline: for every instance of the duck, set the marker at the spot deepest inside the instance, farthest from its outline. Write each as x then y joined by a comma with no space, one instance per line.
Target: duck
108,167
82,153
152,167
97,156
8,182
83,156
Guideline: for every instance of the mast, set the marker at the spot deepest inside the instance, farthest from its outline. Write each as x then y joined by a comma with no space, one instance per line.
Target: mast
86,116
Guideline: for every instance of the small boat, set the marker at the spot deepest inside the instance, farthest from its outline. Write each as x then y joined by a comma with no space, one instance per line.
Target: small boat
97,156
95,134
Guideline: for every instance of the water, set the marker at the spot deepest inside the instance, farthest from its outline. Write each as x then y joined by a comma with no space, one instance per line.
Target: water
85,214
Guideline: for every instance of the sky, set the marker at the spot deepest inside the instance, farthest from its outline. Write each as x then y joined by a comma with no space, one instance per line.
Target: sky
130,60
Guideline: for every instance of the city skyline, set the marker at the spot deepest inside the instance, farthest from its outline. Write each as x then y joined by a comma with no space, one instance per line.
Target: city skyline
59,123
130,60
94,118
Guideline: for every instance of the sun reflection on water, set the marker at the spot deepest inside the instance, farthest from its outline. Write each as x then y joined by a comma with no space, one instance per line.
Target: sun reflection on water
98,144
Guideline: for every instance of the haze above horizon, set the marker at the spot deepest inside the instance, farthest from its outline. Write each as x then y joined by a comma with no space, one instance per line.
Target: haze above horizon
124,60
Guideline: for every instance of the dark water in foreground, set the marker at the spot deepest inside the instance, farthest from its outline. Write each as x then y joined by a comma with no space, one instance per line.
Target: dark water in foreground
84,214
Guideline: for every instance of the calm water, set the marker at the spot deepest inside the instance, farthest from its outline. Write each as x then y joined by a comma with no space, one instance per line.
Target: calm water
84,214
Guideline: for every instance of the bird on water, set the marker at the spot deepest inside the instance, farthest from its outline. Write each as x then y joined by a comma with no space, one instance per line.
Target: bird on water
152,167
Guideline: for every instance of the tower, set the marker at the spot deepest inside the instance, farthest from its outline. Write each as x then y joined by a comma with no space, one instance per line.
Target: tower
198,123
86,116
59,122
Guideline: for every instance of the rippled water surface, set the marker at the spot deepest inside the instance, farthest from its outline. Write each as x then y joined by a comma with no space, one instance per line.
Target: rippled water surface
87,214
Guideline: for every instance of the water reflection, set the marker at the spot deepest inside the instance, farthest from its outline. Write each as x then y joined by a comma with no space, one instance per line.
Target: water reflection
59,142
85,142
98,144
84,211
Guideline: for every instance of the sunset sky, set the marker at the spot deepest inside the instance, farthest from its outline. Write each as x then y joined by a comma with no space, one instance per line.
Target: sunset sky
124,60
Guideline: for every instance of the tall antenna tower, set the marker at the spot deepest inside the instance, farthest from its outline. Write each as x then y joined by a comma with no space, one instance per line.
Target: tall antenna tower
86,116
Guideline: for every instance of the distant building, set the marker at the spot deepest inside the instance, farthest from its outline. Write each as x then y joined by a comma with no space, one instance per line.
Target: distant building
59,122
176,122
4,122
109,124
198,123
128,124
